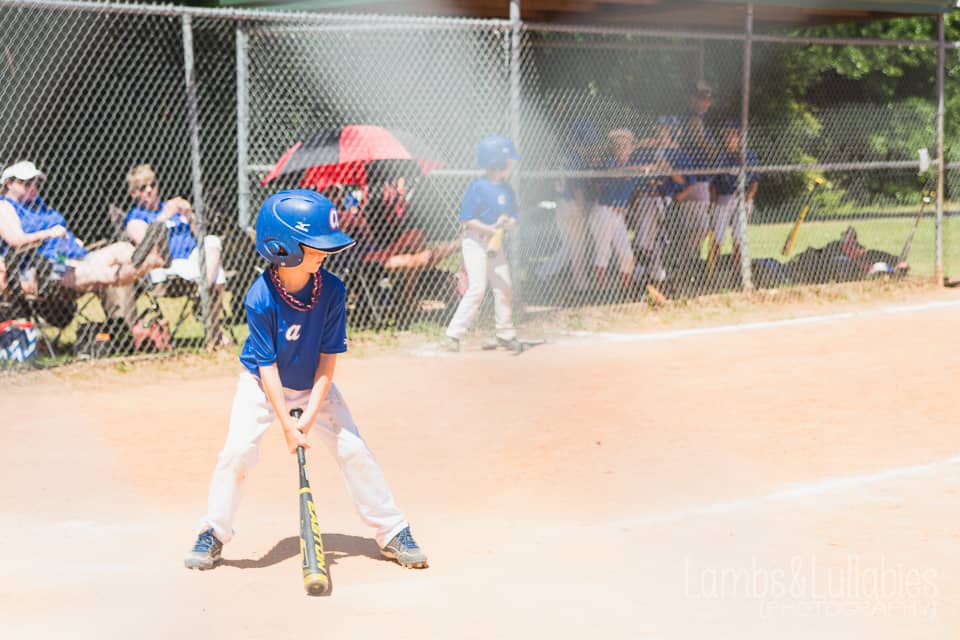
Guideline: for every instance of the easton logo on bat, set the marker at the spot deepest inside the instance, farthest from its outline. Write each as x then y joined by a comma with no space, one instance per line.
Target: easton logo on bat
317,540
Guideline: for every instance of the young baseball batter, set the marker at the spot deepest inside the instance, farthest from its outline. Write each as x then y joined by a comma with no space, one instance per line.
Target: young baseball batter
296,312
489,205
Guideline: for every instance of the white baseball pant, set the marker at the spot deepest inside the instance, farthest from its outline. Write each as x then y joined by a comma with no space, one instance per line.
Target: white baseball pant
609,231
650,231
572,226
481,268
725,216
250,418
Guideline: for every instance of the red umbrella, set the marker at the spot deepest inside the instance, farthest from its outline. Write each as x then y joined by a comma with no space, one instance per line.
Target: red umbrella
342,156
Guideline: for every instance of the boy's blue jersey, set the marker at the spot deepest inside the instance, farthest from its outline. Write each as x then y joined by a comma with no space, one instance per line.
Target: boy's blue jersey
294,339
726,183
181,240
616,192
486,201
661,186
38,216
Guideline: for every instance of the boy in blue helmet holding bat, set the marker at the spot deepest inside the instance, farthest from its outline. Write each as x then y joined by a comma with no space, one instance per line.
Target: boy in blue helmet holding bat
296,312
489,208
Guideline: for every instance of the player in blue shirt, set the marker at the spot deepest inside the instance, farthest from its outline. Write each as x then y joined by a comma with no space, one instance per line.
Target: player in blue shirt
724,188
694,215
608,225
658,154
296,313
489,206
573,203
173,220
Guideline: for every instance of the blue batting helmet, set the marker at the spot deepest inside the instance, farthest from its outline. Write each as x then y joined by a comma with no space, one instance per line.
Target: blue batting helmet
289,219
494,151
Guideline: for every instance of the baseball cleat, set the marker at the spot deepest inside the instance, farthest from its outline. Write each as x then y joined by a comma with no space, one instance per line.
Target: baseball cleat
404,549
500,343
205,553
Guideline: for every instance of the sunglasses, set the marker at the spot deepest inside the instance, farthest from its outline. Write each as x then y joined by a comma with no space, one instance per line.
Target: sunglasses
143,187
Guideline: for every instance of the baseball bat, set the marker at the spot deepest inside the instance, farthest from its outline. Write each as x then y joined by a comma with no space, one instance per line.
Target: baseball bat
316,579
916,222
495,243
792,237
712,250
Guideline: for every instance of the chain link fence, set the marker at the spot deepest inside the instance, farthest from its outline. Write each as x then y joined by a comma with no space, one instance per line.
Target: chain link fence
633,186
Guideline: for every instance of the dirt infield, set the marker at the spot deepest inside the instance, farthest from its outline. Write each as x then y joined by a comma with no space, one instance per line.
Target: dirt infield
794,479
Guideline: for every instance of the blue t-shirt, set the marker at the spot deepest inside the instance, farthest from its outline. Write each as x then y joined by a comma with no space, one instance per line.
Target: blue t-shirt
39,216
181,240
616,192
726,183
698,157
294,339
486,201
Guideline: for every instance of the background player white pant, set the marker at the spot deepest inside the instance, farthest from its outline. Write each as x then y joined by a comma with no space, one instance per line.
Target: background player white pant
572,226
725,215
609,231
480,268
649,239
189,268
697,214
250,418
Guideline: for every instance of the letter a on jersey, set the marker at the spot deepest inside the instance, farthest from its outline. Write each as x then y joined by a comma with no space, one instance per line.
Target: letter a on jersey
293,333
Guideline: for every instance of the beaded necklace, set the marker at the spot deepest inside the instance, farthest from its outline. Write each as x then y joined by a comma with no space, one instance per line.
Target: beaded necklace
290,299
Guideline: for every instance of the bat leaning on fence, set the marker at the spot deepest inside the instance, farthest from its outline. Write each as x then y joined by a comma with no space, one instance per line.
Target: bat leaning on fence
316,578
916,223
807,203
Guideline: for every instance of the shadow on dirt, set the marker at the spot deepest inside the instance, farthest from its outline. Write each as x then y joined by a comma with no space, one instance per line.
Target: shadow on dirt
336,546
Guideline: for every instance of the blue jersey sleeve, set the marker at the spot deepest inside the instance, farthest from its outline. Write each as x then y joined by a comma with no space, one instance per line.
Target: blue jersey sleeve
262,322
139,214
335,328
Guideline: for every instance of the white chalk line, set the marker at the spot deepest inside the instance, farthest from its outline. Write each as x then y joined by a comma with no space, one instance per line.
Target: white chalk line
819,488
752,326
433,351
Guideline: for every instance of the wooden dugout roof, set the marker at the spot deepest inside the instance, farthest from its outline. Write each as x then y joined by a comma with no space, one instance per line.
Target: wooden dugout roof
684,14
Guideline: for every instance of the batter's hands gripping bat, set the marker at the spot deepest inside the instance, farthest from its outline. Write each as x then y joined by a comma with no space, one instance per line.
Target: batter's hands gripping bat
792,238
316,579
495,243
916,222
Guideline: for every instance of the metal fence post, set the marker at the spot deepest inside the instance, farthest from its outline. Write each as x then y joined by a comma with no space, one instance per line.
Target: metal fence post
515,25
941,64
746,275
243,130
196,172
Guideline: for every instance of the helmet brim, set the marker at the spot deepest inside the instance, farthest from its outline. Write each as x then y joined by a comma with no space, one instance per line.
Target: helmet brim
331,243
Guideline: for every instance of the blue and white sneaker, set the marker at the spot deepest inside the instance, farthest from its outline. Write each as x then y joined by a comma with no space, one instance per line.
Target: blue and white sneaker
404,549
205,553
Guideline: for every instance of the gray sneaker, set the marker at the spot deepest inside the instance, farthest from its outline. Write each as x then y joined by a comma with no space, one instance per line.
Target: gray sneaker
451,345
205,553
404,549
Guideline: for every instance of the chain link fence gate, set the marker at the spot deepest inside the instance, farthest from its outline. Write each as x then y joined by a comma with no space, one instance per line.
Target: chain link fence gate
214,100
